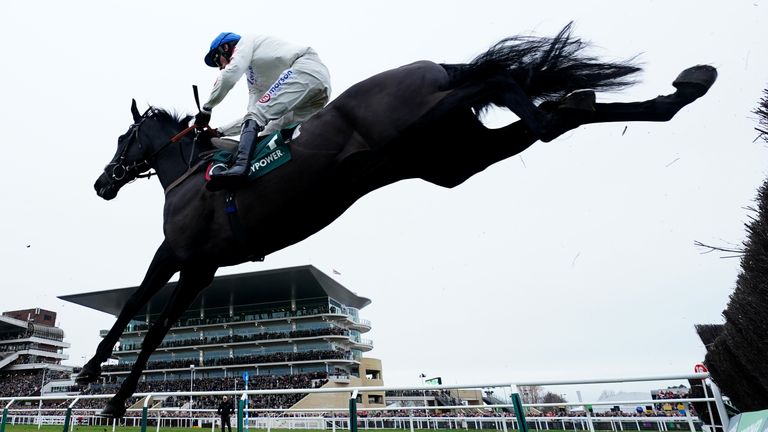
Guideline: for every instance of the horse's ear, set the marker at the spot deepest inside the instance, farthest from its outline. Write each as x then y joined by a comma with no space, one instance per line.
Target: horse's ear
135,111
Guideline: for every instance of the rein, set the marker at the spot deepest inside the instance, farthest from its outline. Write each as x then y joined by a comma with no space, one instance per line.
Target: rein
176,138
120,170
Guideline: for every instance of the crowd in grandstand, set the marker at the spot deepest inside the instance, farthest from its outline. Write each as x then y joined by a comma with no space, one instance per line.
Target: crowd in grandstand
671,394
272,313
644,413
259,382
27,383
412,393
15,347
20,383
278,357
244,338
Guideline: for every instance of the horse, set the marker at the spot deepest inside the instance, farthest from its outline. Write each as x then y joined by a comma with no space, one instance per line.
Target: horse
414,121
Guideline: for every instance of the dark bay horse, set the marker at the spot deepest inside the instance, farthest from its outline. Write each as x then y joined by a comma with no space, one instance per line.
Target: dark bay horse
416,121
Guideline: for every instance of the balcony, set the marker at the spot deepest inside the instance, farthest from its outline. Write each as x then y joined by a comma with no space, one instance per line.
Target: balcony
360,324
362,344
238,319
339,379
124,368
131,347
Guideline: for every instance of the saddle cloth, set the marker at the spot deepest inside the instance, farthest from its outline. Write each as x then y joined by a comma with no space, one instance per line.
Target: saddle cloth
270,153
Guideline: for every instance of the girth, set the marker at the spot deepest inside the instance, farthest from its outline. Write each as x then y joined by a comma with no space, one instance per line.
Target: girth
238,229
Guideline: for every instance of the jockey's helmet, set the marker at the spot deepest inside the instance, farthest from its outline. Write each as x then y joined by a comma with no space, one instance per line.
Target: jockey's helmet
228,38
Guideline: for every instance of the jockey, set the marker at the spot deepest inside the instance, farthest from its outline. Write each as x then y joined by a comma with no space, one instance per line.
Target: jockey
287,84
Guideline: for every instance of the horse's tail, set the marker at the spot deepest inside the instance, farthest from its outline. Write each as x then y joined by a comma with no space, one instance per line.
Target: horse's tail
546,68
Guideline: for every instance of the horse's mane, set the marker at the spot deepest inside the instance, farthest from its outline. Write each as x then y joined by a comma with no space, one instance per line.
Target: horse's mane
179,121
762,116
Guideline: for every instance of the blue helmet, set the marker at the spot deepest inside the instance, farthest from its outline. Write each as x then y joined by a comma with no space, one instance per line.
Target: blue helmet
221,39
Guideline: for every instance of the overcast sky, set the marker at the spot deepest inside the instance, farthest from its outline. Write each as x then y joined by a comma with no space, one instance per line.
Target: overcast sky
576,259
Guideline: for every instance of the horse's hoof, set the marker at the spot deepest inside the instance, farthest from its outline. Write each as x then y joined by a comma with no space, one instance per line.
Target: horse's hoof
113,410
695,81
88,375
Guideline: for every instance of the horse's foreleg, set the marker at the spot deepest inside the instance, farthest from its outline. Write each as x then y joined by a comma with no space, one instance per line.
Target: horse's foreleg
192,280
163,266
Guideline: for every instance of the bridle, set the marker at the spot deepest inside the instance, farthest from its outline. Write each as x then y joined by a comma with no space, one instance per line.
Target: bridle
117,171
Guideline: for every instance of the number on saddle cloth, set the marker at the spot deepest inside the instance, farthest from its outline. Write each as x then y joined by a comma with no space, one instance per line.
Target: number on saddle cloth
270,153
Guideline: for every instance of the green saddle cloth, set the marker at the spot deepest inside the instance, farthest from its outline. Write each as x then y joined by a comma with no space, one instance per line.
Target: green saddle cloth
270,153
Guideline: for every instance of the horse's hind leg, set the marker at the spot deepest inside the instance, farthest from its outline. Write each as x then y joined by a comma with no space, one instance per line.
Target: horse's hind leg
691,84
163,266
194,277
499,90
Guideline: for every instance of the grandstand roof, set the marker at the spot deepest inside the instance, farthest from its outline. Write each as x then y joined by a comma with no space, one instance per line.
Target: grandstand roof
245,288
9,324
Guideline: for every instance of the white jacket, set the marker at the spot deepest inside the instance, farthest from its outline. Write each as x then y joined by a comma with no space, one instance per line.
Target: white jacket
261,59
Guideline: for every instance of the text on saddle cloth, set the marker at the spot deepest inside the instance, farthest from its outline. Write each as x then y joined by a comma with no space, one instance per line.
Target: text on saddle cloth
270,153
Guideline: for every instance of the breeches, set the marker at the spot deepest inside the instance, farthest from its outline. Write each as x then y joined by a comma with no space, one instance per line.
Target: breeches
299,92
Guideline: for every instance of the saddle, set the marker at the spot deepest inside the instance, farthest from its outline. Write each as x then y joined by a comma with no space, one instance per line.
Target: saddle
270,153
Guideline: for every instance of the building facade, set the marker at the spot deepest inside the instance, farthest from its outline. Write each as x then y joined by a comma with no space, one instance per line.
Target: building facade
269,325
31,352
30,340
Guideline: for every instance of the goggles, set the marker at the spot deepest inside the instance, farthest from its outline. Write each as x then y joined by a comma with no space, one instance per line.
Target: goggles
220,51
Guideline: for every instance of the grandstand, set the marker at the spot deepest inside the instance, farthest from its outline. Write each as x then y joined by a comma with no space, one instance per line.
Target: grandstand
286,328
31,351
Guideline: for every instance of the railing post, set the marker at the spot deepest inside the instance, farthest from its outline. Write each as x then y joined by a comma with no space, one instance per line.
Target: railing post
519,414
240,405
67,418
724,420
5,419
353,412
144,410
144,419
69,415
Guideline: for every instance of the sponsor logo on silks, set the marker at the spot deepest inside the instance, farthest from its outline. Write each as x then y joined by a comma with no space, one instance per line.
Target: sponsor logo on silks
276,86
251,76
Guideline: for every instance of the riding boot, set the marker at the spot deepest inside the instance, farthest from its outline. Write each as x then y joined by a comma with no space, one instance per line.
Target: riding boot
238,172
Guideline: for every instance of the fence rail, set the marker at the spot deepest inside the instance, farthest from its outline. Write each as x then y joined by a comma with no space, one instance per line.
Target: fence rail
328,418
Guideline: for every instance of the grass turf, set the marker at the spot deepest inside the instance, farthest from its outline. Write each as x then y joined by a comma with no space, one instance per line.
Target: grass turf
59,428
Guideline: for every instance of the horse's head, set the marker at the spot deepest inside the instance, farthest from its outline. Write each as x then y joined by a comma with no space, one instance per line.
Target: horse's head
137,149
129,161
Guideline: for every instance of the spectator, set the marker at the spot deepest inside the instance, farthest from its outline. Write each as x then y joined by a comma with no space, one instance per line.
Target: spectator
225,410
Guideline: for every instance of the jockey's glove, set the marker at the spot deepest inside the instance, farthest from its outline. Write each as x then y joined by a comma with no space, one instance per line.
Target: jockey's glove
202,118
